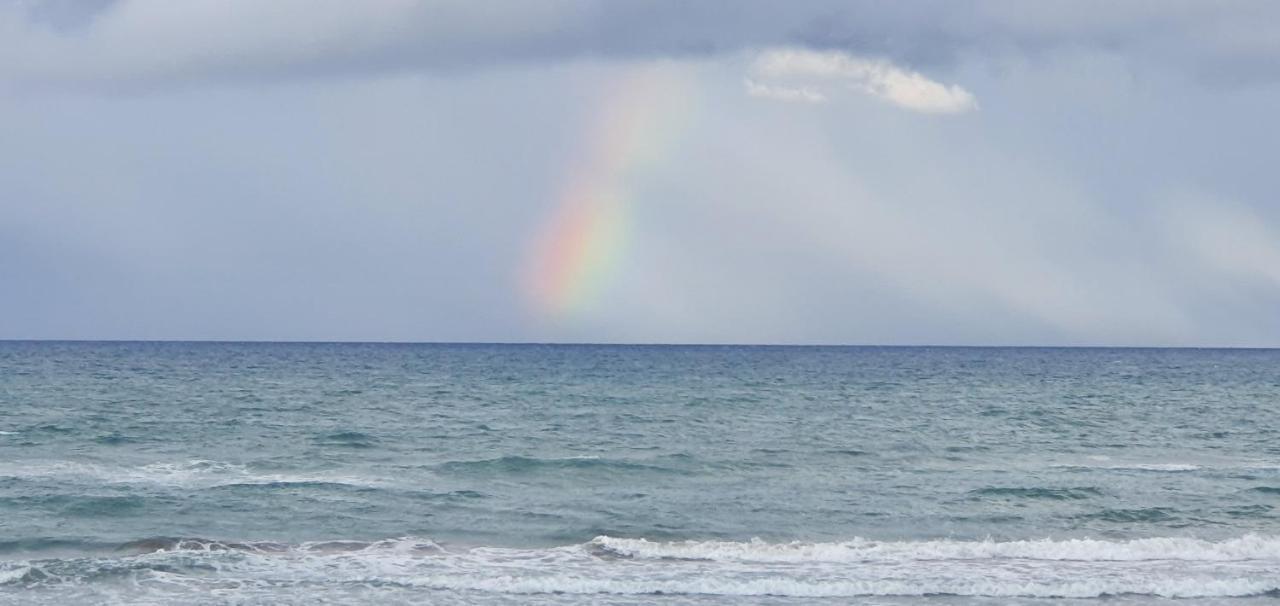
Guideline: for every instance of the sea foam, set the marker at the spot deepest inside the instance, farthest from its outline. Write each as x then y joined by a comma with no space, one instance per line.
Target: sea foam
189,474
1165,567
1248,547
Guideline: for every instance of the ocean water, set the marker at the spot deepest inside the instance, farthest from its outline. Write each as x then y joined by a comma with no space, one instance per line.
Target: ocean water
522,474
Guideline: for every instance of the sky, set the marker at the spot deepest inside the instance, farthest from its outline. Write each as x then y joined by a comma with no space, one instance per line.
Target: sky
745,171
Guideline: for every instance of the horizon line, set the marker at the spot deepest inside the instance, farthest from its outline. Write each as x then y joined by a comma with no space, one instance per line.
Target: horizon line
629,344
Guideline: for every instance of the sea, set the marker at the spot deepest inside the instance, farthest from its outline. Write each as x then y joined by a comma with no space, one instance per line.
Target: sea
316,473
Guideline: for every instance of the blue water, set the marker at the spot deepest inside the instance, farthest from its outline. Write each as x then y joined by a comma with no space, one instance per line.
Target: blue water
514,474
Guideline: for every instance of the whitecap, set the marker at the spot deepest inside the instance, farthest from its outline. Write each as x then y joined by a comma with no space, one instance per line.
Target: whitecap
1247,547
1164,566
190,474
1169,467
14,574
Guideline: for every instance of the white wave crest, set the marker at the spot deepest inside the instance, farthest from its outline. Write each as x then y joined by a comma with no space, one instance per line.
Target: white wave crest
833,588
1104,462
195,473
13,574
1137,466
1248,547
1164,567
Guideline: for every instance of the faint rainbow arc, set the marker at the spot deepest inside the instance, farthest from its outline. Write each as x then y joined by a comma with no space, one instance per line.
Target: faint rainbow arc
576,253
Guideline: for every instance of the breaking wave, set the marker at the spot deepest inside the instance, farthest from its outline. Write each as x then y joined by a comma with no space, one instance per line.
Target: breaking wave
191,474
1165,567
1248,547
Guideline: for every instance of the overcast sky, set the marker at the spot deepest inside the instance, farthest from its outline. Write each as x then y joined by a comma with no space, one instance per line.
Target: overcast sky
1053,173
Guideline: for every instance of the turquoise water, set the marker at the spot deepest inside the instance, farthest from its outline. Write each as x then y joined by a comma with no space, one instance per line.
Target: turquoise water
296,473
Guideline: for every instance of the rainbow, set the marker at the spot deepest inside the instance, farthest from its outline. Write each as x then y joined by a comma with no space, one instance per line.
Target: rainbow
576,254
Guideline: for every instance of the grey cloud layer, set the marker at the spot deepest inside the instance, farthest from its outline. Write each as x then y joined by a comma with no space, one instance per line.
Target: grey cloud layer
1074,173
152,40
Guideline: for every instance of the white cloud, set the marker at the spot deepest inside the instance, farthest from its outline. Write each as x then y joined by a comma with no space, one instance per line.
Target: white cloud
800,74
784,93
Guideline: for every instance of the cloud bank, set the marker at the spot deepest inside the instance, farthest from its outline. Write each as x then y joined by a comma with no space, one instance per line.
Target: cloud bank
121,42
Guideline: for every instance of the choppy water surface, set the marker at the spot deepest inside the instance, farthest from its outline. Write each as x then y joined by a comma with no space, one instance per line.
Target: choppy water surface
296,473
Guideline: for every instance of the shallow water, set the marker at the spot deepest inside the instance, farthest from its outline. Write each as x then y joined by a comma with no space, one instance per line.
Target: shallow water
279,473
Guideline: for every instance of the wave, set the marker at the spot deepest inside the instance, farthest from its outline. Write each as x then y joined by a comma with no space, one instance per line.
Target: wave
1052,494
1248,547
43,548
522,464
1129,516
1166,567
407,545
1166,467
191,474
347,439
802,588
115,439
1103,462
